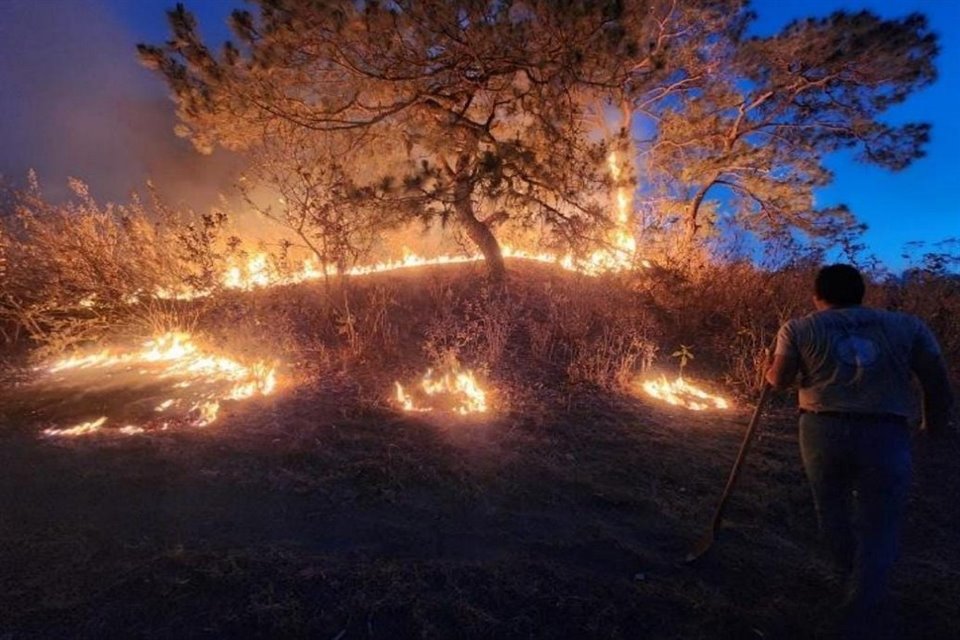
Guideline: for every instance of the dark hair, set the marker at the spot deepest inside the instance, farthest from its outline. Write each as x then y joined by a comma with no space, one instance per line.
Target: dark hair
840,285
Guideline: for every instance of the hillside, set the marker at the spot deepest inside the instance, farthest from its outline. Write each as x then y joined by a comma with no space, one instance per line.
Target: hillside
322,510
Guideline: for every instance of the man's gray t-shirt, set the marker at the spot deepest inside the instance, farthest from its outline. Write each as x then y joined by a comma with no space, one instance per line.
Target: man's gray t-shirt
856,359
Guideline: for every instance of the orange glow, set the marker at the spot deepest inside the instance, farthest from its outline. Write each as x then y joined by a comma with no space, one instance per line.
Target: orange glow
455,390
258,271
206,412
682,393
82,429
210,378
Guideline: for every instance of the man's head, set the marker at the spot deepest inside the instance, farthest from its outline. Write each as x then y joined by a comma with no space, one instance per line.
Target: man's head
838,285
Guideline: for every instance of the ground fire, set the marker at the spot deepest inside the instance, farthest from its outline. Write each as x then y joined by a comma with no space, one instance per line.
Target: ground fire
454,390
200,380
617,253
197,381
682,393
258,271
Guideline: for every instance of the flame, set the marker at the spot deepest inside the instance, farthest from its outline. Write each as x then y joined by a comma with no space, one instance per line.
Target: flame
682,393
258,271
88,428
181,292
456,390
206,413
619,256
405,400
175,355
82,429
255,275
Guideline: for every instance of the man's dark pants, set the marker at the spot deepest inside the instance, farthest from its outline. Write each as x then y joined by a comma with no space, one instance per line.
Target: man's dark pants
859,469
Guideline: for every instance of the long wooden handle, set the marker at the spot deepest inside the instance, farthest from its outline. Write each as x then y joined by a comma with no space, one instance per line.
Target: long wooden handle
744,448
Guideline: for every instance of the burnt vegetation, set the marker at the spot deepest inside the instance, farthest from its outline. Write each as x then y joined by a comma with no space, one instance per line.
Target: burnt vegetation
324,510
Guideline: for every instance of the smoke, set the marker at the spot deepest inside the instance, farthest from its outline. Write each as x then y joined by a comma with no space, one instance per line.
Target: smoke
74,101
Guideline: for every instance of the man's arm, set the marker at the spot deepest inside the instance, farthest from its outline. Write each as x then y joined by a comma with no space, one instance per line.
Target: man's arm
937,396
786,359
783,371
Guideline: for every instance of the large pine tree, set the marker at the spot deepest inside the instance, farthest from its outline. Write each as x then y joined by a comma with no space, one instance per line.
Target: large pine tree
473,110
479,111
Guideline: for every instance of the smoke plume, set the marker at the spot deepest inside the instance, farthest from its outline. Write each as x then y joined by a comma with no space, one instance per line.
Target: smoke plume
74,101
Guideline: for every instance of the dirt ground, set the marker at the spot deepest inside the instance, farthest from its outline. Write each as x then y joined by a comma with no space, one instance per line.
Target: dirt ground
308,516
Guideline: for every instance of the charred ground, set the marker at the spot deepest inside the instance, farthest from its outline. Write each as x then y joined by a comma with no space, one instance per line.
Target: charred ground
324,512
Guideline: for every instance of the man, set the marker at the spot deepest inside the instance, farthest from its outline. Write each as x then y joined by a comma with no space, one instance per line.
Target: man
855,397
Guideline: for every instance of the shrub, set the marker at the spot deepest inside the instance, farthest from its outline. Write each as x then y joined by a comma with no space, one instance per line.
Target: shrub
72,270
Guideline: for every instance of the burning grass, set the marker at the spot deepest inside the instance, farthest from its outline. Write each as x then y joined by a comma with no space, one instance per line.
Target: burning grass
454,390
567,517
683,393
331,511
82,429
359,337
198,380
88,259
258,270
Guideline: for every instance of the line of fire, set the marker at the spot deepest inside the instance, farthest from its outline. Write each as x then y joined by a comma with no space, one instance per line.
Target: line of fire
199,380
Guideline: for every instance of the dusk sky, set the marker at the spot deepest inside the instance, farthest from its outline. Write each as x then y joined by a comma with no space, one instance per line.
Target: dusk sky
74,101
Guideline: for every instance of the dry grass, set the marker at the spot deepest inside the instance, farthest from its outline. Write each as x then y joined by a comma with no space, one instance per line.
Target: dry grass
730,312
311,515
68,271
323,512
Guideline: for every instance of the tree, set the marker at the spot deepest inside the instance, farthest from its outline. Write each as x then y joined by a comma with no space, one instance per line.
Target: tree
298,180
757,134
475,110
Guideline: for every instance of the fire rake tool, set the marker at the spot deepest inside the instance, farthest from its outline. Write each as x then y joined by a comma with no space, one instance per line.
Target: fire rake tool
704,544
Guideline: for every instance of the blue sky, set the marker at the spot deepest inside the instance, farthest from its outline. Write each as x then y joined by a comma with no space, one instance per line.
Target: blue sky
52,52
920,202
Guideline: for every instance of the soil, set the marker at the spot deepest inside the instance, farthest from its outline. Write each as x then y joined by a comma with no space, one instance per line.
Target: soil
313,514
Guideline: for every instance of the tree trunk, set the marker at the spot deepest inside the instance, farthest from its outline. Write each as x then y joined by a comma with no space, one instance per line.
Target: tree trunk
693,211
478,231
692,226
